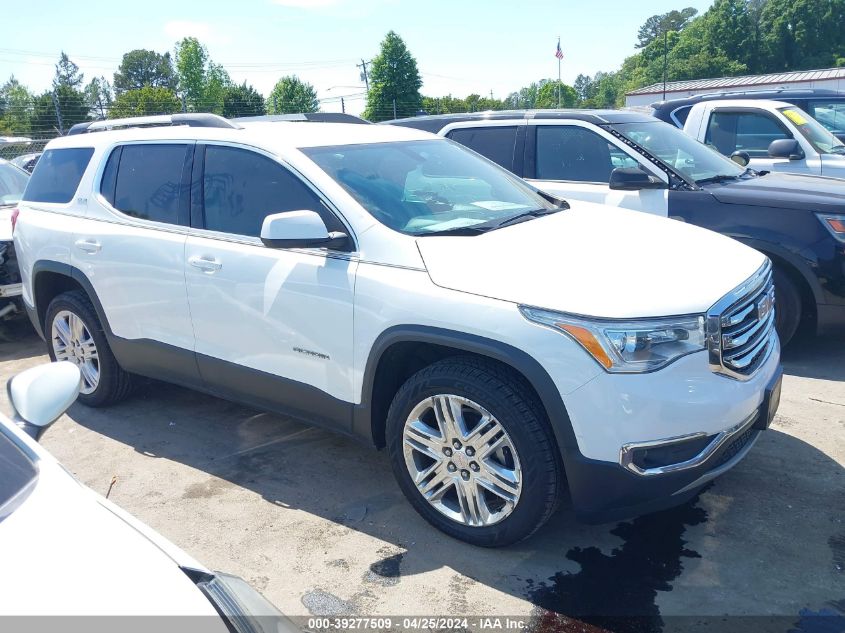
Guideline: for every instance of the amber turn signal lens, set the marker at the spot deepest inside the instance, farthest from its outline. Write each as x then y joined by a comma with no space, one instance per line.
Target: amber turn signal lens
588,342
836,224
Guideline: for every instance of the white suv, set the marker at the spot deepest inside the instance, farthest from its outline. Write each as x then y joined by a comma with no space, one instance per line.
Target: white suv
396,287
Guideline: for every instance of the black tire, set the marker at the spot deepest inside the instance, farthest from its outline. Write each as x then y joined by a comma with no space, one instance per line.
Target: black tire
505,395
114,383
787,306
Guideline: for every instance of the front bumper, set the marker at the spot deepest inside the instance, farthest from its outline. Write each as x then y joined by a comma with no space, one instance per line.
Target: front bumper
710,421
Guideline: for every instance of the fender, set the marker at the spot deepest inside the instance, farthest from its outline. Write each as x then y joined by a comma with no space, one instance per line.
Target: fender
799,263
496,350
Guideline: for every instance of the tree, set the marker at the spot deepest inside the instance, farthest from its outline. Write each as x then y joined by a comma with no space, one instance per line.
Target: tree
291,95
141,68
395,82
547,97
216,83
144,101
525,98
67,73
98,96
657,25
15,108
191,59
584,88
242,100
56,111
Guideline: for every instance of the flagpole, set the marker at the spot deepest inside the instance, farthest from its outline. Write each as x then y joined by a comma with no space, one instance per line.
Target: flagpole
558,73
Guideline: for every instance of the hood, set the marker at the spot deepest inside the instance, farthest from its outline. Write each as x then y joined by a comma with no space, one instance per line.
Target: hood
594,260
65,552
783,191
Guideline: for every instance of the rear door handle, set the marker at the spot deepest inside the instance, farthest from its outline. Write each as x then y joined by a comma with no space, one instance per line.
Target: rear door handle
89,246
205,264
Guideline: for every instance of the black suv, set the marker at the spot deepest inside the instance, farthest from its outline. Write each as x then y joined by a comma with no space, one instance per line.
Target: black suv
637,162
826,106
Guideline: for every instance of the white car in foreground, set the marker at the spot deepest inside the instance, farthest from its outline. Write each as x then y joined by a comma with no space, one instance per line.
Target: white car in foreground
67,551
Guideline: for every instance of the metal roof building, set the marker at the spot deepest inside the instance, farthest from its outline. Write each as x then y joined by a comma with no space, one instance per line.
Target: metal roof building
828,78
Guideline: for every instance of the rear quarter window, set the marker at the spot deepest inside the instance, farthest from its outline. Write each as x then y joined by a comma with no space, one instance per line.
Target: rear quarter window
57,175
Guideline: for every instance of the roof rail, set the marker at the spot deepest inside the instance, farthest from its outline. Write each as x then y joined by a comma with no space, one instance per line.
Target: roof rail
313,117
192,119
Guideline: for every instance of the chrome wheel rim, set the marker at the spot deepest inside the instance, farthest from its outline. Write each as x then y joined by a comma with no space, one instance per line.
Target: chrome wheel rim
462,460
72,341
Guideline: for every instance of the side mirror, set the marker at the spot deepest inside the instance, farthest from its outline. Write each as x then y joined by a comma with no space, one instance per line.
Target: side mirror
786,148
741,158
633,179
299,229
40,395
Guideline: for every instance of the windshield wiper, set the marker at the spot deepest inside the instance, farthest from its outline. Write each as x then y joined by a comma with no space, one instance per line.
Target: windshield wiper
522,217
837,149
474,229
717,178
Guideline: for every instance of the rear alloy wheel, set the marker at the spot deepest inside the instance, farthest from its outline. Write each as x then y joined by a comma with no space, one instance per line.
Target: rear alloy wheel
76,336
473,451
462,461
787,306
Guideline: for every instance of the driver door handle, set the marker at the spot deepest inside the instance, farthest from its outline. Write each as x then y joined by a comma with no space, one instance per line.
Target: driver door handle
89,246
206,263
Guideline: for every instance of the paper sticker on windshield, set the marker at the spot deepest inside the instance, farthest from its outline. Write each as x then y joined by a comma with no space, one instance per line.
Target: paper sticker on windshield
497,205
795,117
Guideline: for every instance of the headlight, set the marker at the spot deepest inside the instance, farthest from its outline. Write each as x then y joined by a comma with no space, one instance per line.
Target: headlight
242,607
634,346
833,223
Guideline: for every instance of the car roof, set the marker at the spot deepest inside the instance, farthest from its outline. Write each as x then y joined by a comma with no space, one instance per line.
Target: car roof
750,103
794,93
262,134
436,122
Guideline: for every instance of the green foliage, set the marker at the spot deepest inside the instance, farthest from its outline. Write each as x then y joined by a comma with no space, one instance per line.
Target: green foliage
143,102
395,82
450,104
67,73
191,60
98,96
64,102
141,68
547,96
291,95
15,108
657,25
524,98
242,100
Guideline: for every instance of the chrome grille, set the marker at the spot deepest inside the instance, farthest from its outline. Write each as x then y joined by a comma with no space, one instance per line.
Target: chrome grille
740,327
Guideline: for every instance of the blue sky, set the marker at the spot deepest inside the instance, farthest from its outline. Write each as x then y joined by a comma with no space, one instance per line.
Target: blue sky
460,47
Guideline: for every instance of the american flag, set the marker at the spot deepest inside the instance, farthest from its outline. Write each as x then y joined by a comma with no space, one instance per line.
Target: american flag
558,52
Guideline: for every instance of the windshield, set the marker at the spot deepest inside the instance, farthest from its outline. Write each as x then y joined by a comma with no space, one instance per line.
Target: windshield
12,183
18,473
425,187
683,153
816,134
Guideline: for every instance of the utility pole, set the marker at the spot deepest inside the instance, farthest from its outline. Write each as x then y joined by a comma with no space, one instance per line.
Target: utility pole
58,113
342,106
665,63
394,107
363,67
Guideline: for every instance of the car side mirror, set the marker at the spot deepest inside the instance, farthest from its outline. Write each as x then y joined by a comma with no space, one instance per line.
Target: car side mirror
741,158
633,179
299,229
40,395
786,148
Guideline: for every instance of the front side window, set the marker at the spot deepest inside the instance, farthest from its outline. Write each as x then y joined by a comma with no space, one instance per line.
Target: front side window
57,175
241,188
750,132
495,142
694,160
426,187
575,154
821,139
148,182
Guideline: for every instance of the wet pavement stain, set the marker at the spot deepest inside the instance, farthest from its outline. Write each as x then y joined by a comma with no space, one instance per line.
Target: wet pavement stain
386,571
618,592
319,602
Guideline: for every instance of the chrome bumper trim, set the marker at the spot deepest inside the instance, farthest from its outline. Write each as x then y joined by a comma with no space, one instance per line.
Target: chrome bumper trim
11,290
626,453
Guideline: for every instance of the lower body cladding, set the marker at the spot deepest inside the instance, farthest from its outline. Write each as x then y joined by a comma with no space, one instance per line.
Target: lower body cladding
646,442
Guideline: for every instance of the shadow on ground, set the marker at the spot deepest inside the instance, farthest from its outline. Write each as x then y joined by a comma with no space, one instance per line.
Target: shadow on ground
766,539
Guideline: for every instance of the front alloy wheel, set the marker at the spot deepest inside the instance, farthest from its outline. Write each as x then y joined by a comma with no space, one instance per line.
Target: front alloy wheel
462,460
72,341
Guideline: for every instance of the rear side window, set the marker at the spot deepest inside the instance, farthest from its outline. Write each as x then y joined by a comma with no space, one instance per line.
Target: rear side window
830,114
148,182
241,188
496,143
680,115
57,175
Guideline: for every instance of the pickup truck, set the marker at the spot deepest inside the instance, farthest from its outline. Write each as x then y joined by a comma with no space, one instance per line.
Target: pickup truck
767,136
